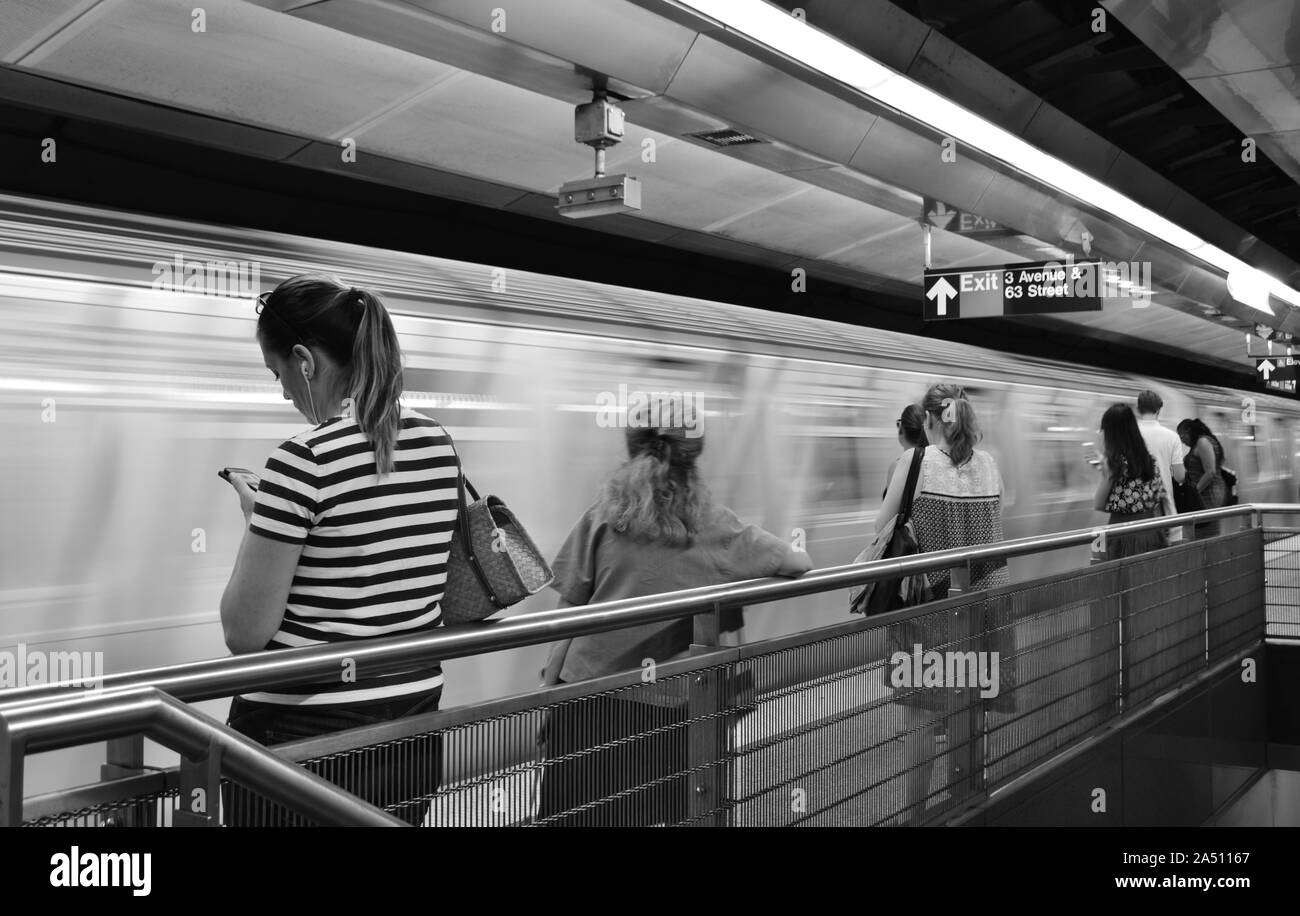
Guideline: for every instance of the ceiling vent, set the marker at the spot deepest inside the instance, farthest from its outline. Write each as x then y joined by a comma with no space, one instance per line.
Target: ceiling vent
726,138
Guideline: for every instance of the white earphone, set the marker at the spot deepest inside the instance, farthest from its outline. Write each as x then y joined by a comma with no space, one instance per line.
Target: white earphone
315,417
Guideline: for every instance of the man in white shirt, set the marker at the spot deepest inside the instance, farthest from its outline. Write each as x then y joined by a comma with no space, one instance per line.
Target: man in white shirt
1164,445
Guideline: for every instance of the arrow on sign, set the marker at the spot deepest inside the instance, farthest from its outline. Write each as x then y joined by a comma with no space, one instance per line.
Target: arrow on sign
1267,368
942,292
942,217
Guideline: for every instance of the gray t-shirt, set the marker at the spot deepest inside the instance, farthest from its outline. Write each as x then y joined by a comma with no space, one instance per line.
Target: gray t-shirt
598,564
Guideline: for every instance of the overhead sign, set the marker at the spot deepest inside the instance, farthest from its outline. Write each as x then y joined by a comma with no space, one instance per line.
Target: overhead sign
950,219
1275,370
1035,288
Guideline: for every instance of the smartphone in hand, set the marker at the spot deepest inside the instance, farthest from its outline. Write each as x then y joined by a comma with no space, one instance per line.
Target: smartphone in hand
243,474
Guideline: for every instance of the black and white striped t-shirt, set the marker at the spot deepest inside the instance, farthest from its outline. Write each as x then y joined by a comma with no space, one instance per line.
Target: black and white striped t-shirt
374,558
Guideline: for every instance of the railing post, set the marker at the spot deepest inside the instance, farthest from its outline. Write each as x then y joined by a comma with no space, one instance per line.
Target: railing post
706,781
198,802
707,631
965,726
12,754
125,757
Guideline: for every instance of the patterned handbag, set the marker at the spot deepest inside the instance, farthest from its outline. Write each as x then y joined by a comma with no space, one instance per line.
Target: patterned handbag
493,562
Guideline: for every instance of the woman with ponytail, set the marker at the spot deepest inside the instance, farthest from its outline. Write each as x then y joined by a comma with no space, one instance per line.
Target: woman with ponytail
348,531
957,503
653,529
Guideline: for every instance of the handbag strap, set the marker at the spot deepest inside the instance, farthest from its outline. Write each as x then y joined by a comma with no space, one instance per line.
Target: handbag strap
909,490
462,519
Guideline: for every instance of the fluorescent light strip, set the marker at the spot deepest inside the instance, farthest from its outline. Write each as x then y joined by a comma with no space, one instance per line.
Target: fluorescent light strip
794,38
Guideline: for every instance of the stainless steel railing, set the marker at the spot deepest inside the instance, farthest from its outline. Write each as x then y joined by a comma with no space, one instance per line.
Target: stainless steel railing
43,718
212,748
223,677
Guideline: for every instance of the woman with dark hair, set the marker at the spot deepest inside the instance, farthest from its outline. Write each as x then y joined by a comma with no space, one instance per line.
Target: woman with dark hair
1204,464
1130,488
957,503
348,531
911,434
653,529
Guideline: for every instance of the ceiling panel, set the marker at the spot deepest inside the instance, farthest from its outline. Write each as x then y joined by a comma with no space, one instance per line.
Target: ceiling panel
399,25
895,252
596,34
249,65
27,22
897,155
759,97
812,223
693,187
482,127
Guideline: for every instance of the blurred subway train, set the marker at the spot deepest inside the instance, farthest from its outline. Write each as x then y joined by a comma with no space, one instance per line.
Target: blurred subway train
129,376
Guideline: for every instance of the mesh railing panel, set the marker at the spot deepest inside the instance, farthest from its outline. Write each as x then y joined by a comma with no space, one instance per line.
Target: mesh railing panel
817,728
1235,594
1282,575
152,810
1163,597
1064,664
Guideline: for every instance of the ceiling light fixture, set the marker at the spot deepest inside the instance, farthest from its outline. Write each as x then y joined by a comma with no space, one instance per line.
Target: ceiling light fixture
788,35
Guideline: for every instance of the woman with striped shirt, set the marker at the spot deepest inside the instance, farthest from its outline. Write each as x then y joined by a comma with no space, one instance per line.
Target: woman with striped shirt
349,529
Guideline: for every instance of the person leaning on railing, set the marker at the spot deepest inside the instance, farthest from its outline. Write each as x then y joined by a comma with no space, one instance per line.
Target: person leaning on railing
654,529
348,532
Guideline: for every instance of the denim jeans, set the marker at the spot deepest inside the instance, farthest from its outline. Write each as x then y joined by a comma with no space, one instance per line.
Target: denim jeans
405,775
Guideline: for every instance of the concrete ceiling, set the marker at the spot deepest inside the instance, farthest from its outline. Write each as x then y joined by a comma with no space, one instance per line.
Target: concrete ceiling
1243,56
445,98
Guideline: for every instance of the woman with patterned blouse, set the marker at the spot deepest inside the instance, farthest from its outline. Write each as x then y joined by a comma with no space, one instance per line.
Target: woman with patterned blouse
1130,488
957,503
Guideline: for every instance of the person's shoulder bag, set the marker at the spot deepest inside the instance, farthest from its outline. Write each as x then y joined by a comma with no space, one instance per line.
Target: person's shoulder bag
493,563
1186,497
1229,479
896,539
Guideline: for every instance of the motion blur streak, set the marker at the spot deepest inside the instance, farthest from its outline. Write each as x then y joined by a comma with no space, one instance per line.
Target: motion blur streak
120,402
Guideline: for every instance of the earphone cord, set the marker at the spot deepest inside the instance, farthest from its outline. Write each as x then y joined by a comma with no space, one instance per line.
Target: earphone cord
315,417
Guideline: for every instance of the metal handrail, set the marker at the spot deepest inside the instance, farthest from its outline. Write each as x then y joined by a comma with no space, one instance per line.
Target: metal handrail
76,720
223,677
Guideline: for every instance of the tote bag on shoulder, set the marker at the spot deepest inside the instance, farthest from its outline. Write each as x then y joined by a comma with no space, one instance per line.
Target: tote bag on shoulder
493,563
896,539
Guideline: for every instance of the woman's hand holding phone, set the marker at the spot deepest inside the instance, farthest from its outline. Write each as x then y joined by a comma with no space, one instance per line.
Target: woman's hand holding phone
245,483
